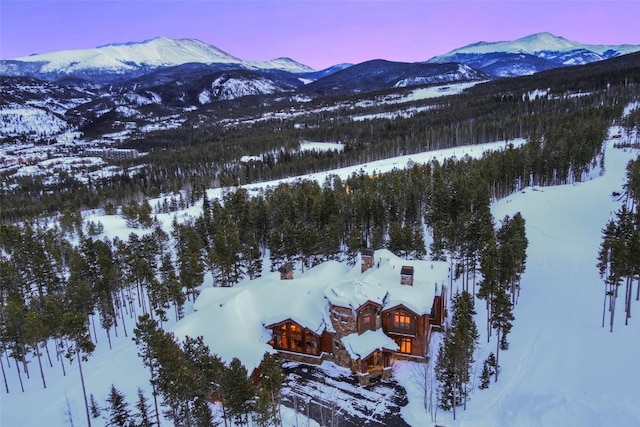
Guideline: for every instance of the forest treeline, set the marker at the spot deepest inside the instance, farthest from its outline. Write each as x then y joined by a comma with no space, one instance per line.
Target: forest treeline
619,253
565,119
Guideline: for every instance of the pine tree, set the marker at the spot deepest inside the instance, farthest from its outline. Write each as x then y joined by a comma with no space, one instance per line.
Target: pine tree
513,244
456,354
252,257
267,403
225,256
485,377
146,334
189,247
94,407
143,414
501,318
119,413
397,240
489,283
237,391
489,368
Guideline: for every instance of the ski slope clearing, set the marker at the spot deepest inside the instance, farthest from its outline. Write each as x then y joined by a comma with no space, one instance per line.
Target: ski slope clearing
562,368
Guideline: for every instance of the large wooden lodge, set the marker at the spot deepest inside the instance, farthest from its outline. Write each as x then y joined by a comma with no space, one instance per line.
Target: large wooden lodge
386,313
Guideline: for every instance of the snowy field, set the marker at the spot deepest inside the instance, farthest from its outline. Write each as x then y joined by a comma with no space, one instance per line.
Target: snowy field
562,368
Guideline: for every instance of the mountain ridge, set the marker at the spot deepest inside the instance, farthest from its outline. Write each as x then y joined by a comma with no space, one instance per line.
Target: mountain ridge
539,42
530,54
158,52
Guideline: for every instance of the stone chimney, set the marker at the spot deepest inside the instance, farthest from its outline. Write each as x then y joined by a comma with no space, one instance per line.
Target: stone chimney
286,271
367,259
406,275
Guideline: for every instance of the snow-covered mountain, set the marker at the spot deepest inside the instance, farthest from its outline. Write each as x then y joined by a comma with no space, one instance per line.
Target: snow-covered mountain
229,86
379,74
126,58
530,54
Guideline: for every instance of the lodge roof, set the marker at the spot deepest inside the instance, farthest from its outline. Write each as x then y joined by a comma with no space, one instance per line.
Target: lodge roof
381,284
363,345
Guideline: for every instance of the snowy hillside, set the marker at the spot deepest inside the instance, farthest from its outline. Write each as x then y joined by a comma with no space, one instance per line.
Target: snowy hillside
562,368
285,64
24,120
462,73
157,52
227,87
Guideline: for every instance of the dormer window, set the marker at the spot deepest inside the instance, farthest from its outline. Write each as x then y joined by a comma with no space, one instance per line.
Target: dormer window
367,319
402,321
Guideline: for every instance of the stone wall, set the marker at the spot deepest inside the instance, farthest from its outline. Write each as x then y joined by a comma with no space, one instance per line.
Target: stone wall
345,323
343,320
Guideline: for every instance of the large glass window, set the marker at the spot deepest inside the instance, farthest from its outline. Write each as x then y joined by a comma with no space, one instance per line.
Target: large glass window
290,336
401,321
295,332
404,344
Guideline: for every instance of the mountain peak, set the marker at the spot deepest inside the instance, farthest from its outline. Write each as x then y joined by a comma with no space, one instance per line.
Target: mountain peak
530,44
537,44
152,53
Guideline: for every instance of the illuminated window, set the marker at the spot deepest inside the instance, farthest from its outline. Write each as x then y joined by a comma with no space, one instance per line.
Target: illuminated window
297,343
404,344
292,337
401,321
367,320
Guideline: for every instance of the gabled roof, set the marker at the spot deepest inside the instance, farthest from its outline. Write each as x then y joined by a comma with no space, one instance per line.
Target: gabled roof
288,320
381,284
400,306
355,293
363,345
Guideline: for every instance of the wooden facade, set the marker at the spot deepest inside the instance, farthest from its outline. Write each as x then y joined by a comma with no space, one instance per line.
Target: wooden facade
368,317
290,336
409,330
439,310
375,365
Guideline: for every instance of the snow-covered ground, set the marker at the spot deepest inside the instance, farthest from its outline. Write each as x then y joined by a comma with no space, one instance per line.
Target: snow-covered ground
562,368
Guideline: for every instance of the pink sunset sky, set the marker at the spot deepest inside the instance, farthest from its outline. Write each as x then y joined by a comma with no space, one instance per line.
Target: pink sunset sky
317,33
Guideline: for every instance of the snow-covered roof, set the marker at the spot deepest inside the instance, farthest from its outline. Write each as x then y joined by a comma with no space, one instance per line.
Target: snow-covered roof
361,346
381,284
233,320
355,293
